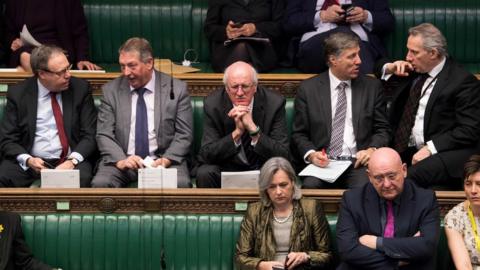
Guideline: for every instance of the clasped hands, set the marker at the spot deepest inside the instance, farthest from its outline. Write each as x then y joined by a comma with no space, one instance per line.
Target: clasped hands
335,14
134,162
242,115
247,30
293,260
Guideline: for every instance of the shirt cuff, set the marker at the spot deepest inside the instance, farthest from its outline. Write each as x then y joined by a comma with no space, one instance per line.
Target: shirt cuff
22,160
237,143
431,147
369,23
76,156
380,244
305,158
385,77
316,19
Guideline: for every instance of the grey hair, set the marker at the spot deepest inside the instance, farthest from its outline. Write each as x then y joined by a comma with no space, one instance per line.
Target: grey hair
271,167
431,36
336,43
229,69
40,56
139,45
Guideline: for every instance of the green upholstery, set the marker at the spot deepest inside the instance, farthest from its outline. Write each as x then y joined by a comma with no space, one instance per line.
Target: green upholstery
173,26
134,241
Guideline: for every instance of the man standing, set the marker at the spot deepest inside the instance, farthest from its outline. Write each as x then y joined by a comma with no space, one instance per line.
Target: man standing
339,114
390,222
143,113
435,112
244,126
49,121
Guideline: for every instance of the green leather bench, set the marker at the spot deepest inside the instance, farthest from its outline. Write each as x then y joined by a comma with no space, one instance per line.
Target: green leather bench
136,241
173,26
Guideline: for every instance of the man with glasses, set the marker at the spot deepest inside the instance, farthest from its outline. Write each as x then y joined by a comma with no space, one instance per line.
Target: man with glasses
144,115
339,114
389,223
244,126
49,122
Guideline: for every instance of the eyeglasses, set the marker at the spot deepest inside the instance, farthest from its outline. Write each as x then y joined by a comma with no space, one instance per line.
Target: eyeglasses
60,73
236,87
391,176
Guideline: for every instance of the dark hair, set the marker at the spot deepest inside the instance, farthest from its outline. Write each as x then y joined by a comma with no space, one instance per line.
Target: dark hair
471,167
336,43
40,56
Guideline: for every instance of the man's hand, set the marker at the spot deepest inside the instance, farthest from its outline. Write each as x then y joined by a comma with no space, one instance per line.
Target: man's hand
363,156
319,158
87,65
368,241
233,32
399,68
421,154
16,44
164,162
267,265
236,113
36,164
357,15
132,162
295,259
333,14
66,165
248,29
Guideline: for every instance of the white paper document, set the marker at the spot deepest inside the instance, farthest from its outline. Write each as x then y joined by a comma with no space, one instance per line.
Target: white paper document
330,173
57,178
157,178
27,38
245,179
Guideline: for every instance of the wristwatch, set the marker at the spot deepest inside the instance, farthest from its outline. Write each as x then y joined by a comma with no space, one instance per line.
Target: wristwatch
73,160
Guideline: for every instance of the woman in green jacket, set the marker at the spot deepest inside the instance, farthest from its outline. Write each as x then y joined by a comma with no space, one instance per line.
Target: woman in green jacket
282,231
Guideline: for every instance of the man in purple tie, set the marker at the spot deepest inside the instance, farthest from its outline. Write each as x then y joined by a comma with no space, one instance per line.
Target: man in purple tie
389,223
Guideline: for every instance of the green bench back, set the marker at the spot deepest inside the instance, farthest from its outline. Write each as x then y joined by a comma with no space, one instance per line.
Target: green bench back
135,241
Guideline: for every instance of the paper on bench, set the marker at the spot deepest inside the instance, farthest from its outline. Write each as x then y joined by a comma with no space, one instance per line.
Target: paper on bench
328,174
157,178
57,178
244,179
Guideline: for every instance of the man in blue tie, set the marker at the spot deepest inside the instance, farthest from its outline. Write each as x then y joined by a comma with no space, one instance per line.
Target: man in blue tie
143,113
389,223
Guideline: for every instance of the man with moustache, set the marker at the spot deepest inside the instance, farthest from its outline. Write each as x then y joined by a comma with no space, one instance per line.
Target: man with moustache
435,113
143,113
244,126
49,121
339,115
389,223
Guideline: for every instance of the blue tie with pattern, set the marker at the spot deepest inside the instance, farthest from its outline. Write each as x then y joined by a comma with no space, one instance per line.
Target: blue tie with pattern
141,126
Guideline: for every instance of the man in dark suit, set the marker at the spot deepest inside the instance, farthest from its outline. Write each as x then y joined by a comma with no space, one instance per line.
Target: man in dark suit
314,20
435,112
14,251
244,126
49,120
389,223
143,113
341,113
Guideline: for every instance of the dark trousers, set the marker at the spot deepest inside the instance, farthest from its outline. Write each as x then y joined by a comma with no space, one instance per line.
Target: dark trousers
311,59
12,175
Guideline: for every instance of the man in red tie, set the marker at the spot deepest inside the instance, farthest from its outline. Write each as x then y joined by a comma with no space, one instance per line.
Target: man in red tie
49,122
389,223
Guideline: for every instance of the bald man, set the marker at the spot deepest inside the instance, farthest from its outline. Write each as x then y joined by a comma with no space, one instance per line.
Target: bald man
389,223
244,126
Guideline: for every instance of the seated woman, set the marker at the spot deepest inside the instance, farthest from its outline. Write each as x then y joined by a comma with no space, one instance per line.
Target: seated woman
462,221
14,252
227,19
54,22
282,230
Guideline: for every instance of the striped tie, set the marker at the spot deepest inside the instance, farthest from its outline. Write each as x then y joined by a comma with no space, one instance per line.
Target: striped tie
338,124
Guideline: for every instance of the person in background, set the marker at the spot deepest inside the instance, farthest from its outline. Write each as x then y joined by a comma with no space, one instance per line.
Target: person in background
49,122
389,223
314,20
231,19
461,222
282,229
143,113
58,22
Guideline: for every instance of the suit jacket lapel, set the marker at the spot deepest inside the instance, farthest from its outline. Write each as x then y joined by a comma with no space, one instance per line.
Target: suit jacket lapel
372,210
358,94
160,101
258,113
437,88
403,216
227,106
31,102
67,112
324,101
125,111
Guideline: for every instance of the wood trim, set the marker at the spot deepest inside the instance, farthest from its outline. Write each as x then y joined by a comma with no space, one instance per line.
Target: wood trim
127,200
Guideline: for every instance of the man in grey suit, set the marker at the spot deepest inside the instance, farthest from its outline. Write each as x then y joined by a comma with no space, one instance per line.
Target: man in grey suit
142,113
339,115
